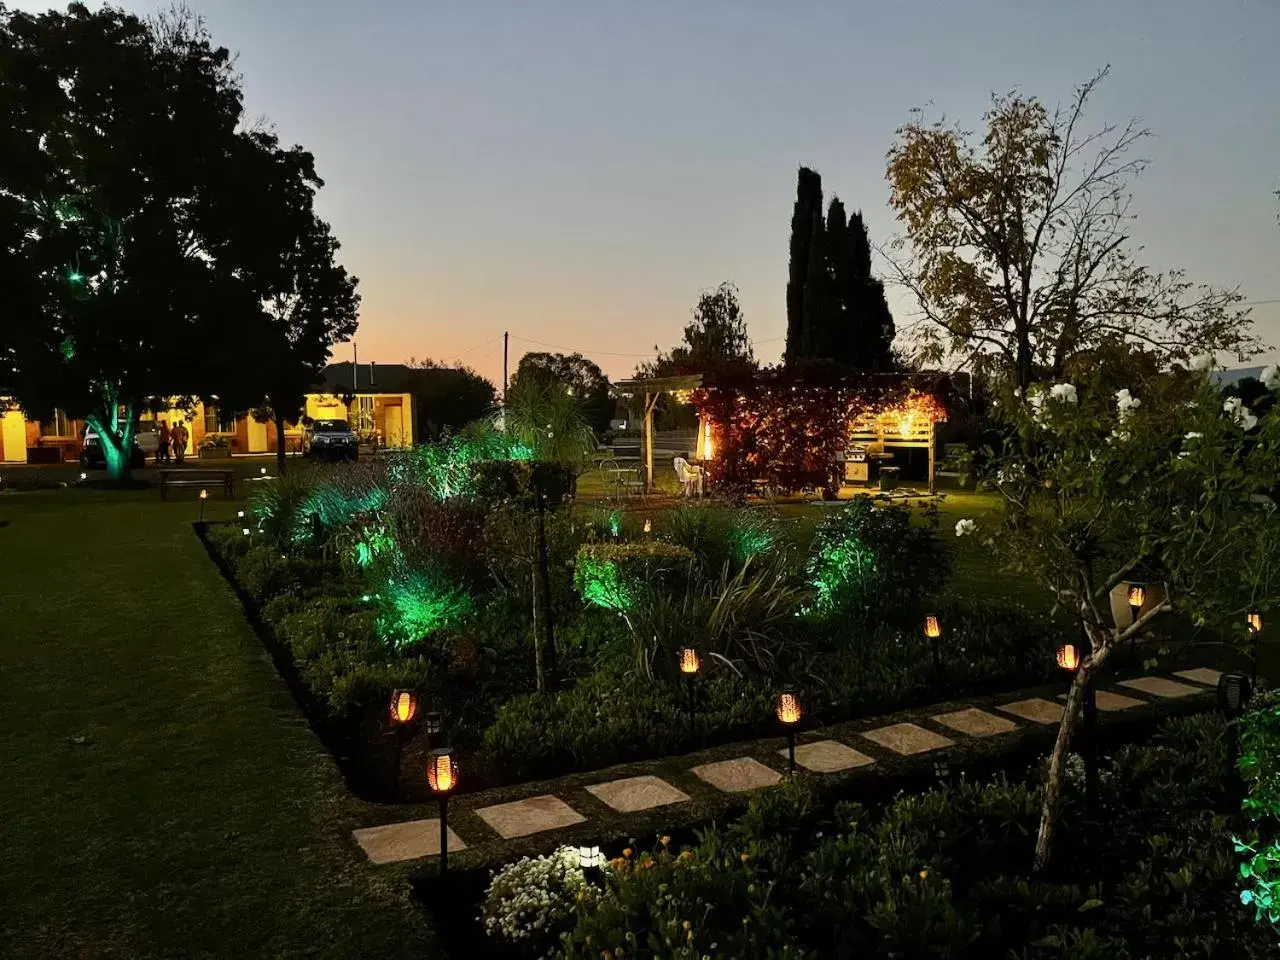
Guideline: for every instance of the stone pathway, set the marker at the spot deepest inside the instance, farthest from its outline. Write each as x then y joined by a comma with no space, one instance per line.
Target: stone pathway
417,839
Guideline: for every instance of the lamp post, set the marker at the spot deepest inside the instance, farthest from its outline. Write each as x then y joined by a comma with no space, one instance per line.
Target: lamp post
1234,690
442,777
789,713
590,860
204,495
1070,658
1254,619
933,630
1137,597
404,707
690,663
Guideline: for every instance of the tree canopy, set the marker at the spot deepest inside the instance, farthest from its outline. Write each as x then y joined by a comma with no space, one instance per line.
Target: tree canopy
716,340
579,377
836,308
146,233
447,398
1017,246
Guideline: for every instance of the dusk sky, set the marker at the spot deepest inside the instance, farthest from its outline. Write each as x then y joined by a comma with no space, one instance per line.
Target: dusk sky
576,172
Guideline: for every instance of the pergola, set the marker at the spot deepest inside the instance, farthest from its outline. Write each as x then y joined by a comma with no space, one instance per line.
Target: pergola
652,388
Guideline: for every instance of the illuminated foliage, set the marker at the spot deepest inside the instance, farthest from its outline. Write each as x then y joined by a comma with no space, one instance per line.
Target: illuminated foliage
416,604
610,574
1260,766
445,468
787,426
750,535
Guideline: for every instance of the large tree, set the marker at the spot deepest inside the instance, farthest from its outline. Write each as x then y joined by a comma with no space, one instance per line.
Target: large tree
580,377
1017,246
144,226
836,309
715,341
446,398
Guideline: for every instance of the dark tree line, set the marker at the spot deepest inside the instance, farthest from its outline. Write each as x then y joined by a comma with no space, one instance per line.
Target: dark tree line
836,310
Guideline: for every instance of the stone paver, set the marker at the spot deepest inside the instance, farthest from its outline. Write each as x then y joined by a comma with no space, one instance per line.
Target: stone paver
1035,709
828,756
1160,687
737,776
637,793
907,739
1201,675
405,841
975,722
1110,702
523,817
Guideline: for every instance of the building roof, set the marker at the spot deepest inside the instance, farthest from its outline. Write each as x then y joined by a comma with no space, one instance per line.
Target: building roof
367,378
1225,378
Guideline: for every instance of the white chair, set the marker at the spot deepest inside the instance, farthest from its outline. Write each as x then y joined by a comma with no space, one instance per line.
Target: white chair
689,477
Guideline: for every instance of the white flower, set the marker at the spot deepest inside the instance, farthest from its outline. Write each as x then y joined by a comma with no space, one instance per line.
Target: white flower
1126,402
1193,435
1271,376
1202,362
965,527
1063,392
1234,408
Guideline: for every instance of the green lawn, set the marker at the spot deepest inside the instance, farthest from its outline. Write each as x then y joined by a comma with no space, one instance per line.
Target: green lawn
161,795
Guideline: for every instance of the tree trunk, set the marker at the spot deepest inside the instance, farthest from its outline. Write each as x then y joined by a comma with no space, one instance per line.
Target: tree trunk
1024,371
544,575
117,447
538,660
1053,780
279,420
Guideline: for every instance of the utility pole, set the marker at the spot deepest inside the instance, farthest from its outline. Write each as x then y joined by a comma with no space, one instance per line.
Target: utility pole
506,339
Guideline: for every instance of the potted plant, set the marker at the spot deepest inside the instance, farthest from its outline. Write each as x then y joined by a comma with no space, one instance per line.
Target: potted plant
216,446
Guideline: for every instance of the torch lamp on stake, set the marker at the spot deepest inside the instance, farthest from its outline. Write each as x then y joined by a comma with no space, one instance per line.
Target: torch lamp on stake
1234,690
789,715
404,707
1071,660
1254,619
442,777
933,630
689,666
1137,597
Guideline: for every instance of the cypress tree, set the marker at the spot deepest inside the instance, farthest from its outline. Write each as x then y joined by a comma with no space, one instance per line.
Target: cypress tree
836,341
805,216
871,322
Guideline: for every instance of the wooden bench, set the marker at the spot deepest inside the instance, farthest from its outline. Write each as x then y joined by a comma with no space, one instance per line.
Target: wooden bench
196,477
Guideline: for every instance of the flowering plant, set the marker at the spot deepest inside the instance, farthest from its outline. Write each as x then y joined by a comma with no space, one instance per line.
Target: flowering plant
529,902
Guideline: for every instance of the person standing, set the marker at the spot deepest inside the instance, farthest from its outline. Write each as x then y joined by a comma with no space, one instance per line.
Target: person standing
180,436
162,448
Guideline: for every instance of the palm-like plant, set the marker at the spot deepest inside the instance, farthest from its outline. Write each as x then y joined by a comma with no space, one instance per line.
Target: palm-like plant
548,419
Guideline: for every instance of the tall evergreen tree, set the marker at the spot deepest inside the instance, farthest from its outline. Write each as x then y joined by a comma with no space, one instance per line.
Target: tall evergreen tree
868,320
806,215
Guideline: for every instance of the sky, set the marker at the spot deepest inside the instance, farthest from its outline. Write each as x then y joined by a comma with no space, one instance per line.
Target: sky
575,172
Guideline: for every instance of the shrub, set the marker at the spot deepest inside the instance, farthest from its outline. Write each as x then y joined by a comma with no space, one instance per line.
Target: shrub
720,535
610,574
445,468
529,902
872,562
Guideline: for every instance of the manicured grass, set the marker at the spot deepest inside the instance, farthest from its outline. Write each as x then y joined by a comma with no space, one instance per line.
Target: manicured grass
162,796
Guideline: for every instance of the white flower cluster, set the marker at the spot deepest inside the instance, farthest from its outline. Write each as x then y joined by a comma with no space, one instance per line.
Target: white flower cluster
528,899
1202,362
965,527
1059,393
1234,408
1126,403
1270,376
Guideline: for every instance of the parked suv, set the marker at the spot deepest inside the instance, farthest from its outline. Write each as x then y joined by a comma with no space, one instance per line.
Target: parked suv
330,440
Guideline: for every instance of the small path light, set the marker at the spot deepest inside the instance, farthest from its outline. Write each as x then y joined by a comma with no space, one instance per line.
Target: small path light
239,514
442,777
690,664
789,714
204,495
83,477
245,531
590,860
404,707
1137,597
933,630
648,526
1254,619
1234,690
1070,659
431,724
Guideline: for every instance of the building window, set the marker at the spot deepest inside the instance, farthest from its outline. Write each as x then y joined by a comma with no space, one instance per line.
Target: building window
365,422
215,421
56,426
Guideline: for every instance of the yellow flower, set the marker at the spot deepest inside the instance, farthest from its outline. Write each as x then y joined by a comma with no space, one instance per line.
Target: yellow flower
924,874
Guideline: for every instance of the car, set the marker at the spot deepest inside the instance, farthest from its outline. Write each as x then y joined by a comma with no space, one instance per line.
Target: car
330,440
92,457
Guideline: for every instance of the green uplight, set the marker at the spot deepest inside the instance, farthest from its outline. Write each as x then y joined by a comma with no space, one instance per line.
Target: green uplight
420,603
68,348
835,567
75,276
615,523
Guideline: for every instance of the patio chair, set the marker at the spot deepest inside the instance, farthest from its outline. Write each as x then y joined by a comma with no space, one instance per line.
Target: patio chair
689,477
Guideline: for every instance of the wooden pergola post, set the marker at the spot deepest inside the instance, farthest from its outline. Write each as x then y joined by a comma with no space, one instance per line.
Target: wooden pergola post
650,401
933,457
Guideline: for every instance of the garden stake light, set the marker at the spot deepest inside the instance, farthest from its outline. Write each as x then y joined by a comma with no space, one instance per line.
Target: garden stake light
1254,619
1137,597
442,777
1069,659
1234,690
590,860
431,725
404,707
648,526
933,630
789,715
204,495
689,666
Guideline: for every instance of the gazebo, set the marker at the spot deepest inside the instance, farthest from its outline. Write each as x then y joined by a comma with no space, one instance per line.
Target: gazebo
652,388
